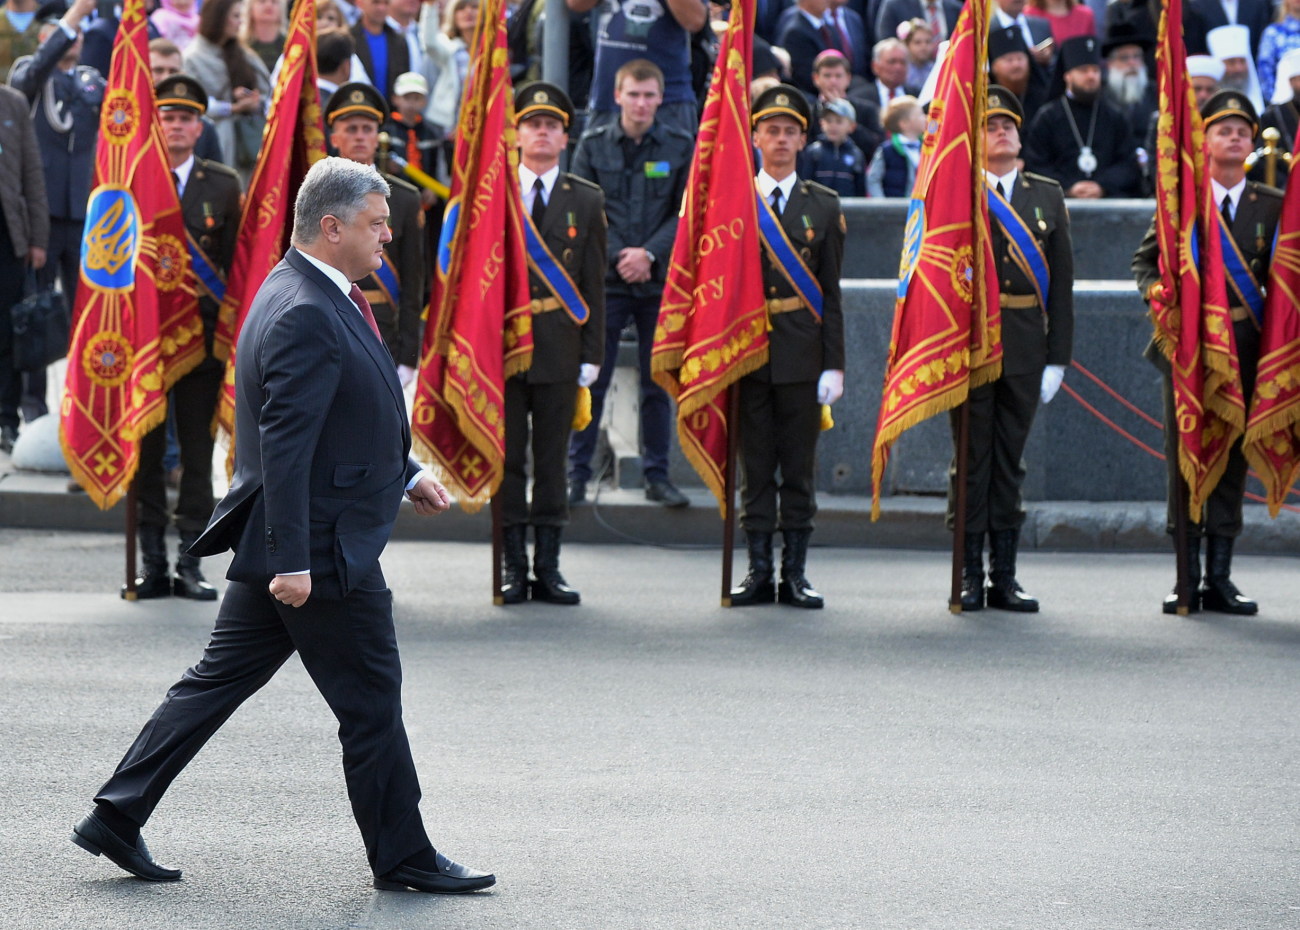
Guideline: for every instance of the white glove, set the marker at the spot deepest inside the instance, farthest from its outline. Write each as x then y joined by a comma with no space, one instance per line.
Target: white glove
588,374
405,374
830,386
1053,375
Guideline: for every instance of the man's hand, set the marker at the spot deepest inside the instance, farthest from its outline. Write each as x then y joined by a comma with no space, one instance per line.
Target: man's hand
245,100
1053,375
429,497
587,374
634,265
36,258
1085,190
1042,52
291,589
79,10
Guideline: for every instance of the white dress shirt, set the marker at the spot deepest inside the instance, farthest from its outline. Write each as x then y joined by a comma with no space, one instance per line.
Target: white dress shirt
526,181
1007,181
766,184
1006,22
1232,193
182,173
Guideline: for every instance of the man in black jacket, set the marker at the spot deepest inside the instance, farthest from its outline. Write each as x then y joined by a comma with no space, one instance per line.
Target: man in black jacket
641,165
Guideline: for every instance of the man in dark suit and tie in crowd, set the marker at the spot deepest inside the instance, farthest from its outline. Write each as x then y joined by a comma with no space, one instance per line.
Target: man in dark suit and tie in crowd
322,460
211,204
567,251
1250,211
781,403
382,49
1034,257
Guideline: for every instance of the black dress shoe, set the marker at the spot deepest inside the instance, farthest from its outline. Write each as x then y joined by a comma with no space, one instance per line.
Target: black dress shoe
1221,596
94,836
663,492
577,493
451,878
188,582
8,436
1006,594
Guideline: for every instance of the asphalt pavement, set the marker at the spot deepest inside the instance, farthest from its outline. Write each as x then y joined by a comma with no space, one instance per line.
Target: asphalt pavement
652,760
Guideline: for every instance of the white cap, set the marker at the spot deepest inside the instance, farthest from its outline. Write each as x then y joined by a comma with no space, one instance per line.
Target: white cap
1288,66
1204,66
1234,42
410,83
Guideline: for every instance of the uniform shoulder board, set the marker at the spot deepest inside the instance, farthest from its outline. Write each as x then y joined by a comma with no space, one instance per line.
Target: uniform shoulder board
1042,179
1264,190
216,167
821,190
401,184
583,182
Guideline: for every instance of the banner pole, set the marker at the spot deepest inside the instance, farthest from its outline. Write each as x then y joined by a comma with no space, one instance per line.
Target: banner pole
959,505
132,517
729,491
497,545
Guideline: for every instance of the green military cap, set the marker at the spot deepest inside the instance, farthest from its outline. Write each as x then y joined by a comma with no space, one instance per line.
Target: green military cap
781,100
353,98
181,92
1003,102
1229,103
541,97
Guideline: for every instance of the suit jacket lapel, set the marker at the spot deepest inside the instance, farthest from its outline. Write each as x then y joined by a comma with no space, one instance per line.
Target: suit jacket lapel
356,325
556,208
792,213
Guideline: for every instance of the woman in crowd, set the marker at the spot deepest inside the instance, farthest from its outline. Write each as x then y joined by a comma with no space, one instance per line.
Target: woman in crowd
917,35
265,28
1069,18
448,48
237,82
1278,39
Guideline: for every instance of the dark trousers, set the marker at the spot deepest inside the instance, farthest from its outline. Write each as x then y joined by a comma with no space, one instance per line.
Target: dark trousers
779,426
349,649
1222,516
12,273
194,400
549,407
62,263
656,409
1001,414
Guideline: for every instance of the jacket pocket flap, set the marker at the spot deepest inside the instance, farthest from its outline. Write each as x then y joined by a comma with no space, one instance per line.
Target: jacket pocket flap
345,476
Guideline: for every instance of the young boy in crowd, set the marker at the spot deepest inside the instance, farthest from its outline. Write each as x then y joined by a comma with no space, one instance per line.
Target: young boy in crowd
834,160
410,137
893,167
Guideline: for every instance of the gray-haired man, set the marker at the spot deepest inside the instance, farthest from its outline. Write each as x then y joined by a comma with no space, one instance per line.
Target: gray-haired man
316,393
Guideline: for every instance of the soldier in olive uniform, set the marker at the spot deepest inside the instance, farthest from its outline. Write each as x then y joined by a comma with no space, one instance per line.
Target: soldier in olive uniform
211,205
1252,210
1037,306
568,215
781,403
397,292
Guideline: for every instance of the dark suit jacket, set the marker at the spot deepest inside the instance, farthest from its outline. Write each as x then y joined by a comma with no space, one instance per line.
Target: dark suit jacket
893,12
574,231
1208,14
801,348
322,453
399,56
1032,338
804,43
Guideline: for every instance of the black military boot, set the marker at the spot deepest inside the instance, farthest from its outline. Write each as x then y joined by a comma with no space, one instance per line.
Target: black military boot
757,588
549,585
189,581
795,588
1004,592
1170,606
972,573
514,564
154,580
1219,593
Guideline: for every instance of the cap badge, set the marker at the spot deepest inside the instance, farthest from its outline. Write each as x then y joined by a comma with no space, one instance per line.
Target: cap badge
782,100
358,97
1234,103
540,97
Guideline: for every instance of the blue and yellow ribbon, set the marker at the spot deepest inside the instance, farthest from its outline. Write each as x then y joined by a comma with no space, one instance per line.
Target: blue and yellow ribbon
1240,279
786,258
552,272
211,280
1025,250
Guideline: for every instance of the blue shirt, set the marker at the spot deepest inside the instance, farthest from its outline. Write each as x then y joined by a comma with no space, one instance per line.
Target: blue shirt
633,29
379,56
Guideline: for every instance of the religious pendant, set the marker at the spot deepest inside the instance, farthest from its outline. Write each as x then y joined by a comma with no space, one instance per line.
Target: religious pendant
1087,161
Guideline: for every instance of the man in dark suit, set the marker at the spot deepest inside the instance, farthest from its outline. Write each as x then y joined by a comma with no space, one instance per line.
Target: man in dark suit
321,463
849,32
805,35
1253,209
1028,218
211,203
1035,30
781,403
397,292
1203,15
567,235
940,14
382,49
889,64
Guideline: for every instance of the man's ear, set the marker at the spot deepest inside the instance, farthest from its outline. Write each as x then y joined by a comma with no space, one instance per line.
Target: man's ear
330,227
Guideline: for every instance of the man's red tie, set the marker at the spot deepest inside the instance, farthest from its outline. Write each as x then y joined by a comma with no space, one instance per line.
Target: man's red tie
364,306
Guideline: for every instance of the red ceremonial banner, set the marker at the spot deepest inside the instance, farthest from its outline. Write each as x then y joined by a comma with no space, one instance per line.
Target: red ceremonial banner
1189,305
947,335
1272,443
713,319
481,331
292,142
136,324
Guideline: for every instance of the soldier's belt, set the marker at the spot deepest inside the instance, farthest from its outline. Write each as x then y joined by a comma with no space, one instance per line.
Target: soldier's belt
375,297
1239,314
785,305
544,304
1018,301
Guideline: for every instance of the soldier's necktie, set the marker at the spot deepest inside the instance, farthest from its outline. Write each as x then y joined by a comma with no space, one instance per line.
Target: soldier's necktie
1002,191
1225,208
363,305
539,203
775,201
